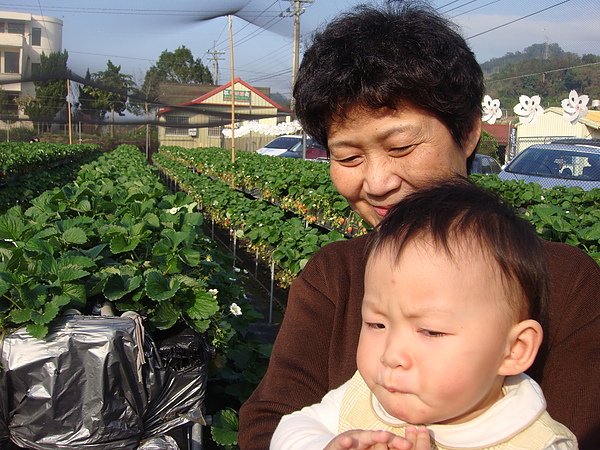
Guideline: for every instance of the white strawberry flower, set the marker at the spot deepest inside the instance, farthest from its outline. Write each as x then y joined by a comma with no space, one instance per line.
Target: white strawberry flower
491,109
235,309
528,109
574,107
213,292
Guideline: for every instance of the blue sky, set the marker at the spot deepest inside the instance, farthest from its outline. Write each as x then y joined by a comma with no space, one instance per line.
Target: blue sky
134,33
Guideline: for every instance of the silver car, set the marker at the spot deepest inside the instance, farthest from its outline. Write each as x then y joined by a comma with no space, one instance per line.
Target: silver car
552,165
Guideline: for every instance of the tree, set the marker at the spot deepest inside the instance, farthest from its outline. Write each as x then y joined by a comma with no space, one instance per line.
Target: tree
108,91
488,145
50,89
179,66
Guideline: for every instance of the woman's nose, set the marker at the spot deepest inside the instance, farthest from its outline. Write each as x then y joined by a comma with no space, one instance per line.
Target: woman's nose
380,177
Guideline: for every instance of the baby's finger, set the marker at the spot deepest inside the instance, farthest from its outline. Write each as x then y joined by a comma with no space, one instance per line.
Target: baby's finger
419,437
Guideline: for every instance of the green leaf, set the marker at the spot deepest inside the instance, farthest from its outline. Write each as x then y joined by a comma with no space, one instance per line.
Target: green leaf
193,219
204,307
20,315
66,274
61,300
50,312
42,247
165,316
160,288
190,256
94,252
76,293
37,330
122,244
225,427
75,236
117,286
152,220
11,227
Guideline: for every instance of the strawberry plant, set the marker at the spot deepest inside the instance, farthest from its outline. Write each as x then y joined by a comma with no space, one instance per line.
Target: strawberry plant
113,234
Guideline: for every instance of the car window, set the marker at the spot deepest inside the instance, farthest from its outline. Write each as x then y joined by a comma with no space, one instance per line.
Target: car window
556,163
283,142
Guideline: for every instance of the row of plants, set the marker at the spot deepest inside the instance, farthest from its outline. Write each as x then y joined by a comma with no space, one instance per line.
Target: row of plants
18,158
116,235
559,214
23,188
276,236
296,185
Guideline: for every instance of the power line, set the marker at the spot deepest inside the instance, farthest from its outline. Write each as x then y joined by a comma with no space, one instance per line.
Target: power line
520,18
475,9
541,73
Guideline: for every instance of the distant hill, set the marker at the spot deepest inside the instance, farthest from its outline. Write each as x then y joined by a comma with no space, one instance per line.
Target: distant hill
541,69
281,99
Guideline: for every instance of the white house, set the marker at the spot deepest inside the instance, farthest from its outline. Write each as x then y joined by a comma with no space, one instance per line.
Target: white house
552,125
200,122
23,38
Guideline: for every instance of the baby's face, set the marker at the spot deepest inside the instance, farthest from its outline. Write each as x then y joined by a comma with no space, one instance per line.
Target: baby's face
435,333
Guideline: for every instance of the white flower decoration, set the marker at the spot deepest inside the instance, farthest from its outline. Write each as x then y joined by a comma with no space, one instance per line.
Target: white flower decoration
491,110
528,109
574,107
213,292
235,309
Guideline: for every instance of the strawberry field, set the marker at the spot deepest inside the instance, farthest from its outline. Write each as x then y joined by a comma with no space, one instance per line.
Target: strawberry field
80,227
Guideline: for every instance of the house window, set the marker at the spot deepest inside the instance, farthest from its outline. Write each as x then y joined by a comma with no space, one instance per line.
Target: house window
36,36
11,62
16,27
9,108
34,68
181,130
2,27
214,132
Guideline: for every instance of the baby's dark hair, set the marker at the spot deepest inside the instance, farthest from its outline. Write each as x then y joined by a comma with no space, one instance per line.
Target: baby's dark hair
457,211
383,57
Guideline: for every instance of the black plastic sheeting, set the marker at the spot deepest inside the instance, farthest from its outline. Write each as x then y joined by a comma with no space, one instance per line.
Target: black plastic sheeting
99,383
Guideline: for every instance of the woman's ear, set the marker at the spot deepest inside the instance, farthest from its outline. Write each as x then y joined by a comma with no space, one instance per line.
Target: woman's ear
470,143
523,344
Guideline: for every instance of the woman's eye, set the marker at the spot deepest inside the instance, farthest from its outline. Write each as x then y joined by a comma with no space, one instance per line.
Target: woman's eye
375,325
348,161
402,150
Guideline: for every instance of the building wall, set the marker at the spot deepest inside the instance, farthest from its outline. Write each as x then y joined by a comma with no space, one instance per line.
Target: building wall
204,129
551,125
29,36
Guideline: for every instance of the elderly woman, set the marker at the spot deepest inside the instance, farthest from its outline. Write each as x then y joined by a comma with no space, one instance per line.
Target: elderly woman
395,93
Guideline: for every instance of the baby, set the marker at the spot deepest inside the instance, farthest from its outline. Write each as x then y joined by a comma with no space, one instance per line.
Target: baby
453,307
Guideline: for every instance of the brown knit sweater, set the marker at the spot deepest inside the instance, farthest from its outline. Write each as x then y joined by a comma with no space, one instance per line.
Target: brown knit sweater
316,345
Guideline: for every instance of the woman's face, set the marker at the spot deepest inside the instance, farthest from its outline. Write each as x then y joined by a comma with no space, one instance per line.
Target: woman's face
380,156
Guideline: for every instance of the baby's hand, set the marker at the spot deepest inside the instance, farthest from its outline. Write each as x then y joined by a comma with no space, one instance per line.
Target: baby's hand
369,440
419,438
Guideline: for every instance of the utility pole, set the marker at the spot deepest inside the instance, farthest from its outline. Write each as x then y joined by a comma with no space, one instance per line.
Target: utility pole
215,59
296,10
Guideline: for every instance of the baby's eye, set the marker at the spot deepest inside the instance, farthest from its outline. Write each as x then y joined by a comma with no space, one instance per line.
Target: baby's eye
375,325
432,333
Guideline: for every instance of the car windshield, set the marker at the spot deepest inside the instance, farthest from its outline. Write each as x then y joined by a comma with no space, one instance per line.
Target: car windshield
283,142
557,163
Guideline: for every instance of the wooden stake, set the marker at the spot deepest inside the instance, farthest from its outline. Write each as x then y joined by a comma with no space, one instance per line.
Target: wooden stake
69,109
232,91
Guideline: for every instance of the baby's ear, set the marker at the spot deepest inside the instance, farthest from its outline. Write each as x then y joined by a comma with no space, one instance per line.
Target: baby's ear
523,343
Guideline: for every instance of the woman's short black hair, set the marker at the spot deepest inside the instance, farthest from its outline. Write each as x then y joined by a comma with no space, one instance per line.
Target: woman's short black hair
456,211
375,57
